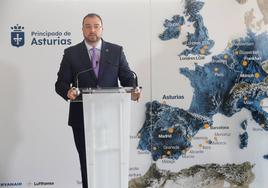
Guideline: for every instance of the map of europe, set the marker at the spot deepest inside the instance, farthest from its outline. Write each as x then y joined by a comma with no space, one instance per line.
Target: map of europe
235,79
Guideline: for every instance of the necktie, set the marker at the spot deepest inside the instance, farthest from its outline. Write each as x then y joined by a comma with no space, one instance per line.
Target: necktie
95,62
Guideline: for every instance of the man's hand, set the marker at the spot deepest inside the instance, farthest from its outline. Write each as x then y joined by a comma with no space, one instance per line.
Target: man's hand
72,93
135,94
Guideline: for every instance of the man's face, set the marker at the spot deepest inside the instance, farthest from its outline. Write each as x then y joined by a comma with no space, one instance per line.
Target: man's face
92,29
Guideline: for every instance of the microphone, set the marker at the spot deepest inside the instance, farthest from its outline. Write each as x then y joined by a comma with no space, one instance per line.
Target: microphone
135,80
77,77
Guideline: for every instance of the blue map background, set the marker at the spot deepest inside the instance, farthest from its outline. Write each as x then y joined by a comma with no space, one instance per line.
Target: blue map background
218,66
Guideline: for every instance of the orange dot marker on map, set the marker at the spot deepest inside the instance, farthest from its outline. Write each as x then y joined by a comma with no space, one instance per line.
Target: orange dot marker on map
170,130
202,51
168,152
206,125
245,63
257,75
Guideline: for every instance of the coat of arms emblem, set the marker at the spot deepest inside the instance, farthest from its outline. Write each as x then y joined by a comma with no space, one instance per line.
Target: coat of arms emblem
17,36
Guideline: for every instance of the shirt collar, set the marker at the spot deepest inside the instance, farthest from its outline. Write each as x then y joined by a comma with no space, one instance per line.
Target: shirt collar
98,46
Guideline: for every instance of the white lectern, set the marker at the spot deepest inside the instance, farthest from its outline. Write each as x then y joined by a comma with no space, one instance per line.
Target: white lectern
106,120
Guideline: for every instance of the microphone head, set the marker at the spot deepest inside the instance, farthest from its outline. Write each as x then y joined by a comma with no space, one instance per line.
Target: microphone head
135,80
78,92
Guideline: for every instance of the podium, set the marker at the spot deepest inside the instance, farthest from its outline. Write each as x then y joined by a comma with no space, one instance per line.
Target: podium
107,120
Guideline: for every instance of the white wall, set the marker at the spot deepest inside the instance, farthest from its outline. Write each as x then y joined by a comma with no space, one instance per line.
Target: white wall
35,142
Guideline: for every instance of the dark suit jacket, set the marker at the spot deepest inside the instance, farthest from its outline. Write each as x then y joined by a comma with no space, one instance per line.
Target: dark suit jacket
113,66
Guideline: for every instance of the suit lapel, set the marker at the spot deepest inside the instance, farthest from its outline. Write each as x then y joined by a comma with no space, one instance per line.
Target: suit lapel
104,55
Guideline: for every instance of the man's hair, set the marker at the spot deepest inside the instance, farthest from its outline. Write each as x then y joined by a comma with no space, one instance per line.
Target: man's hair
91,15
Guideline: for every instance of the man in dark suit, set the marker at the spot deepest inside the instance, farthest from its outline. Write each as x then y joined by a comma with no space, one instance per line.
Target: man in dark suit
105,64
